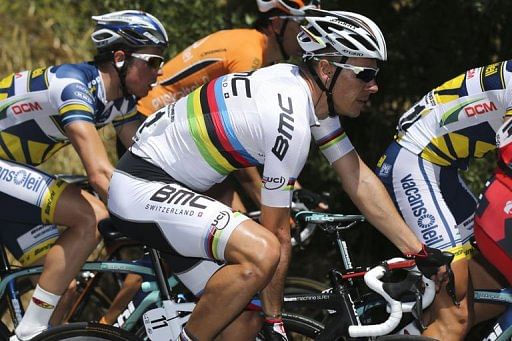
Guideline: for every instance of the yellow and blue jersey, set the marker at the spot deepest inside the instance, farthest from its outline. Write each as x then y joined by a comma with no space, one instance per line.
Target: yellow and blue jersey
36,105
458,120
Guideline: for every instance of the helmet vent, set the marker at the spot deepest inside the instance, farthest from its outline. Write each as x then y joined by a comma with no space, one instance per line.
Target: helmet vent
346,43
363,42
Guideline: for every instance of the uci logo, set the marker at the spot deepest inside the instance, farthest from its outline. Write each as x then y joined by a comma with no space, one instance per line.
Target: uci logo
221,221
273,183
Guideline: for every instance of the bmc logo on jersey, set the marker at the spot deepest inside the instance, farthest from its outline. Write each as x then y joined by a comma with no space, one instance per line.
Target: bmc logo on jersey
480,108
285,129
18,109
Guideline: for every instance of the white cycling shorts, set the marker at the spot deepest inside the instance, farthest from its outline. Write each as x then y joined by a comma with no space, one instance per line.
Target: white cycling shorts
171,217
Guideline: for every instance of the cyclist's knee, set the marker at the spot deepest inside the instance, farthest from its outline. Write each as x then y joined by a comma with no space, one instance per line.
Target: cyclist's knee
252,243
80,211
266,256
263,261
260,259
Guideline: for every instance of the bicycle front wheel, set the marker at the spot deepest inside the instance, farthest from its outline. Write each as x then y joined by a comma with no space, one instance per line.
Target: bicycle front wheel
85,331
302,285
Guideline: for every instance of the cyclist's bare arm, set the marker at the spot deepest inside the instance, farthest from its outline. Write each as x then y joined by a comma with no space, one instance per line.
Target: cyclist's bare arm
250,180
277,220
86,141
370,196
126,131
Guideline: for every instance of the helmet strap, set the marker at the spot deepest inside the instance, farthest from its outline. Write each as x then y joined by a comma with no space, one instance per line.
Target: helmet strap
121,69
121,72
328,92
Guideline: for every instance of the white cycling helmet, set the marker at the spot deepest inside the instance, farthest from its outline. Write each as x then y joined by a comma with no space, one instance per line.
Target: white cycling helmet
128,29
350,34
288,7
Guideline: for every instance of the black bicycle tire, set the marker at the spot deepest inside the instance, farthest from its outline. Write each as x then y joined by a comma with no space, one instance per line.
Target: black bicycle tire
302,285
85,331
303,325
405,338
305,284
298,327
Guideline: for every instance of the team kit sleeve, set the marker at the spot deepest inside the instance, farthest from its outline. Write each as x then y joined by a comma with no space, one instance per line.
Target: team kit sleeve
287,138
73,100
332,139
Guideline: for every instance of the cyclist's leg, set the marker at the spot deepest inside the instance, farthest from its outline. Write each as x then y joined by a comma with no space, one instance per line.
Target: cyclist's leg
174,219
415,185
247,271
29,245
131,285
194,273
34,197
222,192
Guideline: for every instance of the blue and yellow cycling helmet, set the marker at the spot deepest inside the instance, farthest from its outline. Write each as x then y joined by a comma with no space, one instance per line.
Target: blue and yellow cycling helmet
129,30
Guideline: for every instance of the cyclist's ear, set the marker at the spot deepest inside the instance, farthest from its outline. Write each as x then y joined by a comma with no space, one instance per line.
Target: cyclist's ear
119,58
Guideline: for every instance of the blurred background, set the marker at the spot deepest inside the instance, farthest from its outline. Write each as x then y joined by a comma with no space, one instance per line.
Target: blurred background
428,42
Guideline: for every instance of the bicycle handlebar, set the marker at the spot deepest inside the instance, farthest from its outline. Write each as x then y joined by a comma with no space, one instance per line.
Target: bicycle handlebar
396,307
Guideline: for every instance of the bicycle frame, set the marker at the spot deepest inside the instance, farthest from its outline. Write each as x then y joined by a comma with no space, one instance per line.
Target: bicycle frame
501,330
343,319
345,311
9,277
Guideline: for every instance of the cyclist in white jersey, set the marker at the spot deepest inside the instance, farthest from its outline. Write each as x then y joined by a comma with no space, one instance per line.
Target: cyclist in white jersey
436,138
264,117
43,110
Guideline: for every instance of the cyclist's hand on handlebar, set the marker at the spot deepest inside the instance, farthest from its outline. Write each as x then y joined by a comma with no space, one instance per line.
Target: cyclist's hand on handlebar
435,264
310,200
